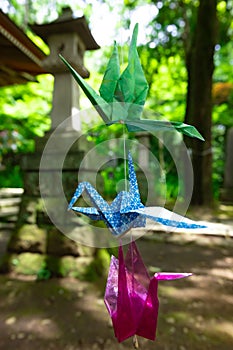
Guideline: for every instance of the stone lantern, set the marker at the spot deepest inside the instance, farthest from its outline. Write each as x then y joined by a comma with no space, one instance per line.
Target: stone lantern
35,234
70,37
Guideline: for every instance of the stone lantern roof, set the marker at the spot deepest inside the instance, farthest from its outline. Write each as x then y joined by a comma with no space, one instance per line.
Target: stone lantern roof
68,36
66,23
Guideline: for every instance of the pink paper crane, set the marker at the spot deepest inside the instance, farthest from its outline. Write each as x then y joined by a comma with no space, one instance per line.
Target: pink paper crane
131,295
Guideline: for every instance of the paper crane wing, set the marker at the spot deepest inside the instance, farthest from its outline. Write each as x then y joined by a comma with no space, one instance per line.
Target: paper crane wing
92,213
93,195
102,107
129,88
168,218
168,276
159,125
111,77
132,87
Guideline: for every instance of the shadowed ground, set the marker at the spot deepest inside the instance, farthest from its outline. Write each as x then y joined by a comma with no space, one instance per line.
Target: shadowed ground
66,314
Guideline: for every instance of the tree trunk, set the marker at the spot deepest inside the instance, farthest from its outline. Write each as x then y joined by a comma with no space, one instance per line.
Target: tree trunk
199,102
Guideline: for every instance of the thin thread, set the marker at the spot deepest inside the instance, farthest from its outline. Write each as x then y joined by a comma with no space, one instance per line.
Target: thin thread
132,262
125,163
124,134
135,342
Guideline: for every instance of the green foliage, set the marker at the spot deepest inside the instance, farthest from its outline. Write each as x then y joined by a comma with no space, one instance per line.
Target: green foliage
11,176
27,107
24,111
99,267
167,183
168,83
38,41
27,263
222,114
218,137
223,63
41,11
164,59
44,273
112,172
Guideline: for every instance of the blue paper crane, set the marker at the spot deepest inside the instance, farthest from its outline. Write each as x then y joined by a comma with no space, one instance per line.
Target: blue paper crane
126,211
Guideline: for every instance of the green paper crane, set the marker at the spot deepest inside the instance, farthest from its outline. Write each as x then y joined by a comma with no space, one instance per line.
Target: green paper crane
122,96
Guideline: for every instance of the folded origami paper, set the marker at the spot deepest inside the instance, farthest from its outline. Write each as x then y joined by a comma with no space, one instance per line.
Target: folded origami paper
122,96
127,210
131,295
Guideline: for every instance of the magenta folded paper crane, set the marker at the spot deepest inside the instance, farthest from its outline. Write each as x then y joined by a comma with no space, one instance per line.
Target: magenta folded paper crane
131,295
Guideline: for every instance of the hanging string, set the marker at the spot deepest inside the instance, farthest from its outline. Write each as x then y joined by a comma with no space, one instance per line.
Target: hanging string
135,342
123,125
125,158
135,339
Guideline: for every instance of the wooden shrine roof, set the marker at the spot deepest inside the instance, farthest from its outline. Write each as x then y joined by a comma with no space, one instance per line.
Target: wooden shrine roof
20,58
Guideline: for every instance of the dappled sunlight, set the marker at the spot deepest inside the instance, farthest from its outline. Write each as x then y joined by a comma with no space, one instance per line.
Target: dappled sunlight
197,288
59,310
200,308
37,327
222,273
66,314
184,294
221,327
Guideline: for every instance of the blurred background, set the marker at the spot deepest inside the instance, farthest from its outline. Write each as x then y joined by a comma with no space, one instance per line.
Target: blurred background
186,50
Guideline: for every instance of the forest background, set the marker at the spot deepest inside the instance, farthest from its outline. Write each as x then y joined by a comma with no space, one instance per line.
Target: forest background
186,50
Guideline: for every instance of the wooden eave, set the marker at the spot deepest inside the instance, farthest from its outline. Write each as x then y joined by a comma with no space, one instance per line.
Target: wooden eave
20,58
